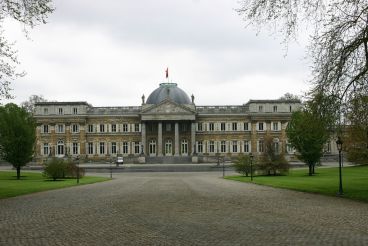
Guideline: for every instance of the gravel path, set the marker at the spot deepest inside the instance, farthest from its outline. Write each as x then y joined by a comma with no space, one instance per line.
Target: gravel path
180,209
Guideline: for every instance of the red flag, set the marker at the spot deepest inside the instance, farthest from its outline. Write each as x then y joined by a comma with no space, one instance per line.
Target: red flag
167,72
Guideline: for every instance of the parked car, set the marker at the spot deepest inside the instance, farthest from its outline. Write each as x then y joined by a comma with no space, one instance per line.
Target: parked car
119,160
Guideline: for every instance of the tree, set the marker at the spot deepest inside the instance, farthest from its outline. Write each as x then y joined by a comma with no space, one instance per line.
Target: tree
17,136
307,133
242,164
339,40
356,137
289,96
28,12
272,160
29,105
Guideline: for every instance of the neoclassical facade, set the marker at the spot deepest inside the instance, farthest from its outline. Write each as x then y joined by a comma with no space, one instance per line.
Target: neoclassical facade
167,127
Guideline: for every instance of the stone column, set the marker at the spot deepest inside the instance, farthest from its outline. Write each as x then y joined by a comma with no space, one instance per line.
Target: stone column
159,140
176,139
143,137
193,128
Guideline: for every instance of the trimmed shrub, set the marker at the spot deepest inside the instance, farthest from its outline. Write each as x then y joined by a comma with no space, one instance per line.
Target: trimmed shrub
55,169
242,165
72,170
59,169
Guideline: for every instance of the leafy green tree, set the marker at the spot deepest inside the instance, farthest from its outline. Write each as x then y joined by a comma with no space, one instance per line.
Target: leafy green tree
29,13
307,133
242,165
272,160
17,136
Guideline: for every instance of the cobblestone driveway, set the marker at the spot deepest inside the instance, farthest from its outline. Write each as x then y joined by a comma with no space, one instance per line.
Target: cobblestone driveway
180,209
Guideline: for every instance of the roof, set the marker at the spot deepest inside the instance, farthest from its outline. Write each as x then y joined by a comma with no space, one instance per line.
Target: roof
168,90
274,101
61,103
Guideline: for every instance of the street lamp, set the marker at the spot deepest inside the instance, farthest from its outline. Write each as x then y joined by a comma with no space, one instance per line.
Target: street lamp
251,166
77,159
339,147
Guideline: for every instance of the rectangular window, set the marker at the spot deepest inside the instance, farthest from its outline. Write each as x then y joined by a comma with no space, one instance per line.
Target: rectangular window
246,126
260,146
276,147
246,146
260,126
275,126
113,128
102,128
45,129
235,126
184,127
200,126
235,146
260,108
113,148
274,108
212,146
75,148
168,127
102,148
289,148
90,128
200,147
223,146
223,126
60,110
75,110
125,147
46,110
136,127
60,128
125,127
211,126
75,128
90,148
136,147
45,149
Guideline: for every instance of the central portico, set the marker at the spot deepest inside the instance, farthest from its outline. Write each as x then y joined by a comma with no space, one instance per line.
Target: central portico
168,122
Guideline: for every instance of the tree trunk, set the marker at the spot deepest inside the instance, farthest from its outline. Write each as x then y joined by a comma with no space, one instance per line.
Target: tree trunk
310,169
18,172
313,168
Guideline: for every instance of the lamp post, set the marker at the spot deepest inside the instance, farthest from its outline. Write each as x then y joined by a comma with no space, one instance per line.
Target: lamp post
251,166
77,159
339,147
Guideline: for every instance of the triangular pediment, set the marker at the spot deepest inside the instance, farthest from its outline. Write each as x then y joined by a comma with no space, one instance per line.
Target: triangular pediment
168,107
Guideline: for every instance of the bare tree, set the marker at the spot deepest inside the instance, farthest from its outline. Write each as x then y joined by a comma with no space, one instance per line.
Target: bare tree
28,12
290,96
339,40
29,105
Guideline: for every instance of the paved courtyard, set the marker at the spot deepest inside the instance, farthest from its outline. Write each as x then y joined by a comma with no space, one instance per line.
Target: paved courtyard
180,209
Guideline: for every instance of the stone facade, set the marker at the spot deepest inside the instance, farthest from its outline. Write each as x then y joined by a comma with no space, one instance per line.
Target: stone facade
161,131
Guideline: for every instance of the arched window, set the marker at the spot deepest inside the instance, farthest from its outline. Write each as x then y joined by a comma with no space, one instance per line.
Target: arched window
60,148
152,147
168,147
184,147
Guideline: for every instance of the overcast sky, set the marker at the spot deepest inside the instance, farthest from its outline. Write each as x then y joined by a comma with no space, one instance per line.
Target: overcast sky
110,53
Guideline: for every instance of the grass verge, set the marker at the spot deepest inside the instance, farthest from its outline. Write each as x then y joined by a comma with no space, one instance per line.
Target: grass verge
35,182
326,181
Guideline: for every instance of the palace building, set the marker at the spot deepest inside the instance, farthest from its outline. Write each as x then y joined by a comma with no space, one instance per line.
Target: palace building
167,128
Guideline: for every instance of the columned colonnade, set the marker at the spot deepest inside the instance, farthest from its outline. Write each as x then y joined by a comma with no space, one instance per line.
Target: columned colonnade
160,143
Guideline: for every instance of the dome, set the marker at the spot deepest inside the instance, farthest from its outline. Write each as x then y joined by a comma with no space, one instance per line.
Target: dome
168,90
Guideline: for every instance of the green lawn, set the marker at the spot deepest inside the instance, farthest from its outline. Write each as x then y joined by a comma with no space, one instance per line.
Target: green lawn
326,181
35,182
